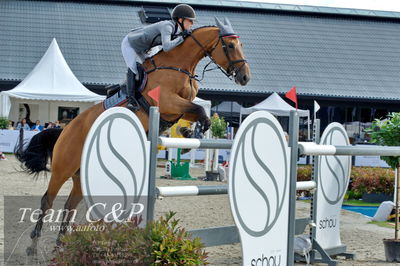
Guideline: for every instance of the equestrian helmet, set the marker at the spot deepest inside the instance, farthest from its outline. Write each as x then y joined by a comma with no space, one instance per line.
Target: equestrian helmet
183,11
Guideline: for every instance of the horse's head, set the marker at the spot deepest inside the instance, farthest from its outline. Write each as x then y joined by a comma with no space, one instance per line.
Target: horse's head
229,53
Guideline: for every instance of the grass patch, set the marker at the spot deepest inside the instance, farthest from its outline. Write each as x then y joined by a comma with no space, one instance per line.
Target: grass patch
360,203
383,224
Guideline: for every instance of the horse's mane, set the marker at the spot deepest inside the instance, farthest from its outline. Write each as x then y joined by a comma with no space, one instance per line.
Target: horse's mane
194,30
207,26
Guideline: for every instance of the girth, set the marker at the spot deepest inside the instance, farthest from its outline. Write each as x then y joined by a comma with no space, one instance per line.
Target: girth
164,124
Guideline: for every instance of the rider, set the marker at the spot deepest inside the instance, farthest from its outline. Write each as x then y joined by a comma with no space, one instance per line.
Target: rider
168,33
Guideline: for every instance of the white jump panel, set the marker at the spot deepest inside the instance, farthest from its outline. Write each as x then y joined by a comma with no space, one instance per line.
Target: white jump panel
259,189
115,166
333,178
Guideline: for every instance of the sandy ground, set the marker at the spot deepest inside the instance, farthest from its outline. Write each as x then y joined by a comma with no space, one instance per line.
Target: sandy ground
361,238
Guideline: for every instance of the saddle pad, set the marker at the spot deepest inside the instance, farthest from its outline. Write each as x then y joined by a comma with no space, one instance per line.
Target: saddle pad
119,98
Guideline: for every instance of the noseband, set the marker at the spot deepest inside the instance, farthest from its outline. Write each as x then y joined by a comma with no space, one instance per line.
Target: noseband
232,67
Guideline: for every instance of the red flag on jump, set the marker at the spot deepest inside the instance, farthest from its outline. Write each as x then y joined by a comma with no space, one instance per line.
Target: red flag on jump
155,94
291,95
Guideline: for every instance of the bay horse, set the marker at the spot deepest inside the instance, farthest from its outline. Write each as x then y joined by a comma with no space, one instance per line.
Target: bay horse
174,73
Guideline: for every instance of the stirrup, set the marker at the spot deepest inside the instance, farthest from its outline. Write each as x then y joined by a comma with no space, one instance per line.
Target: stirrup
133,104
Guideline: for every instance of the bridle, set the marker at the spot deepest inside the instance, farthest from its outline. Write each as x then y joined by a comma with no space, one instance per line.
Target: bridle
232,70
232,64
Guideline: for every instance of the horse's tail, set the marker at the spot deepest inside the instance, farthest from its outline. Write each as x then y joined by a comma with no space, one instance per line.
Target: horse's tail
35,157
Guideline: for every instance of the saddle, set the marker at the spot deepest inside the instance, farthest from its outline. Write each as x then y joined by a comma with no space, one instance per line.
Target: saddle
117,94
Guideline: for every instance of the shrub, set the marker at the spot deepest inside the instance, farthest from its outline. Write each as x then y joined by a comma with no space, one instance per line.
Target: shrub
218,126
372,180
363,180
304,173
162,242
172,245
4,123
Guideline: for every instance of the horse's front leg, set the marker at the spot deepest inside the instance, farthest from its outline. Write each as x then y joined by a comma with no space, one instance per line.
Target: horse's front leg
191,111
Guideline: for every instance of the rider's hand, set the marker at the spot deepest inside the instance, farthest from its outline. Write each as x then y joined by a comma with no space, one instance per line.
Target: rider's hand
186,33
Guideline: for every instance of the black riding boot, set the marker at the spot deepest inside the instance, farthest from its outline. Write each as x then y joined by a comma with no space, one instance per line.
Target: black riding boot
130,91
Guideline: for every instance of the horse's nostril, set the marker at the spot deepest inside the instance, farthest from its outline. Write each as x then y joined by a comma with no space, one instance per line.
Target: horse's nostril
245,77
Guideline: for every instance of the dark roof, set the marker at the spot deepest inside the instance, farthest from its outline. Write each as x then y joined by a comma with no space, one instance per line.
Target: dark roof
321,53
274,7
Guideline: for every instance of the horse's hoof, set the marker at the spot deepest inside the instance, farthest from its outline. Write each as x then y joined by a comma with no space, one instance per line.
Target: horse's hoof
186,132
30,251
206,123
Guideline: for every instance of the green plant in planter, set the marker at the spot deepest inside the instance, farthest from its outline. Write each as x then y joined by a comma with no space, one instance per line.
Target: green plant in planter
387,132
4,123
162,242
218,130
218,126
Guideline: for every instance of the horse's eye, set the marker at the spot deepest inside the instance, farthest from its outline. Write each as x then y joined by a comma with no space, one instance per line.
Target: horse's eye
231,45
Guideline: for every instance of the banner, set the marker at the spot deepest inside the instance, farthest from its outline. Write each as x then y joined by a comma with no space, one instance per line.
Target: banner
9,138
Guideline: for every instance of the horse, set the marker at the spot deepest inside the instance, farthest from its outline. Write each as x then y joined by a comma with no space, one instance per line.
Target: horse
173,71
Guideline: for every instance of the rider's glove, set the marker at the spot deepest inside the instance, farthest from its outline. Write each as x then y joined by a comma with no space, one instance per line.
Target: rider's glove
185,33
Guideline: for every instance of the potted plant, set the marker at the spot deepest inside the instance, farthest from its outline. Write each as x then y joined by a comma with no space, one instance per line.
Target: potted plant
387,132
218,130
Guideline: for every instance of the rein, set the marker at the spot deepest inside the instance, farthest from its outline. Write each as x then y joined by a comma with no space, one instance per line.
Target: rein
232,69
170,68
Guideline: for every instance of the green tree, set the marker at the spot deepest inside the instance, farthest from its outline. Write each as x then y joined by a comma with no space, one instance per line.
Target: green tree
387,132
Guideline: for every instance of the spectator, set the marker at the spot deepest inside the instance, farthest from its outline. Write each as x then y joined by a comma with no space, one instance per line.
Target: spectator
2,157
37,126
50,125
57,124
23,125
10,125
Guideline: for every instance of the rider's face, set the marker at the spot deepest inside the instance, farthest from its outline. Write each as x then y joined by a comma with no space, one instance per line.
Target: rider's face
187,24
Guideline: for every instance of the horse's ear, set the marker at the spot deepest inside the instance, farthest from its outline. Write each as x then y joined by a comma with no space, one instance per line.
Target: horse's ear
225,28
227,22
219,23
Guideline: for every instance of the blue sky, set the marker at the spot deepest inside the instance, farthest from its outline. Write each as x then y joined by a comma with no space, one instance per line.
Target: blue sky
385,5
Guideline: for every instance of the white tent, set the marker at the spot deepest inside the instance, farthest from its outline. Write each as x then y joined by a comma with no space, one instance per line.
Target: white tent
276,106
50,84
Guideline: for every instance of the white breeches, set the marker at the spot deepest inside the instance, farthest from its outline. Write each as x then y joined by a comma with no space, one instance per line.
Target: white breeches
130,55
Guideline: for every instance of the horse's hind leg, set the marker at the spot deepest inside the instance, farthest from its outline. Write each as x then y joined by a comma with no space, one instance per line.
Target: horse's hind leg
70,206
45,204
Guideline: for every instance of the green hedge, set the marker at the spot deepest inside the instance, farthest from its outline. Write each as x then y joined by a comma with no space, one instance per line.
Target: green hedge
364,180
372,180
